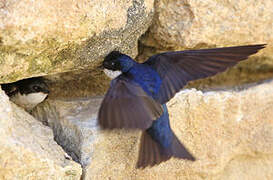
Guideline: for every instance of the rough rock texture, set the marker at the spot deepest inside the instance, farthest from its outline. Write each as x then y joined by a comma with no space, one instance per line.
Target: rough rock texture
45,37
77,84
74,124
229,132
28,150
191,23
195,24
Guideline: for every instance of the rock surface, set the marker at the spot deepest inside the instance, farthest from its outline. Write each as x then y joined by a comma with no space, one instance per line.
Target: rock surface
28,150
191,23
45,37
225,130
74,123
229,131
194,24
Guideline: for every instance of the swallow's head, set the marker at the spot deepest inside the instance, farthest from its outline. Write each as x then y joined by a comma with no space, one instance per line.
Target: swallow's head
112,61
117,61
27,93
33,85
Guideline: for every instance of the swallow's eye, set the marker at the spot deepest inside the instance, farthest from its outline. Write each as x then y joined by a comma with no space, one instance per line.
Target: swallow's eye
112,63
36,88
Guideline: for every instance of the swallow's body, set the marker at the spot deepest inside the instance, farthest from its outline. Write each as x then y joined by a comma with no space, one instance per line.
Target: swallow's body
160,131
136,98
146,77
27,93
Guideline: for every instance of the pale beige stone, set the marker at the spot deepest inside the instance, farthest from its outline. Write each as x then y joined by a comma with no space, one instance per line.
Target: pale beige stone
65,20
226,130
230,132
47,36
74,123
189,23
28,150
195,24
248,167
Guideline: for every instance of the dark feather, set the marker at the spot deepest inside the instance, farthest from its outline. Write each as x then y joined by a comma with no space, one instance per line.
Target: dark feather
177,68
152,153
25,86
126,105
10,89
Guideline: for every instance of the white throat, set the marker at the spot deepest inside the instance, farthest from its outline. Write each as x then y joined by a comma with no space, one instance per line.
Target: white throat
112,74
28,101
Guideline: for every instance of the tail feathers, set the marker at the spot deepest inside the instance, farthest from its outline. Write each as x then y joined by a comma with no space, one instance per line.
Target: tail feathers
151,153
178,150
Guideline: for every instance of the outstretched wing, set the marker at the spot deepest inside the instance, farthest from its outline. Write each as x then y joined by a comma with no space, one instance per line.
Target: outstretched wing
177,68
126,105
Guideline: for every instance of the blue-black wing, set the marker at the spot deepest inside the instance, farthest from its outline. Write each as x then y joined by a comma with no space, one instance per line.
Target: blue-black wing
126,105
177,68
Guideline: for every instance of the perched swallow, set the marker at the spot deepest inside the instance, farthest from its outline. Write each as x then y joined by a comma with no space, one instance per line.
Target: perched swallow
27,93
137,98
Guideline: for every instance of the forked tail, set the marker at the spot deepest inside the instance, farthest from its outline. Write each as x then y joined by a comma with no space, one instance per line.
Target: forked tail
152,153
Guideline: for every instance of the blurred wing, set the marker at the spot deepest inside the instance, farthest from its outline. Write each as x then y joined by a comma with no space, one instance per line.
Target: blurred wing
177,68
126,105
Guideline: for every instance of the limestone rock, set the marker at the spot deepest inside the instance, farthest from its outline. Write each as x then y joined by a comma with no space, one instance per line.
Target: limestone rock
195,24
28,150
191,23
226,130
74,125
46,36
230,132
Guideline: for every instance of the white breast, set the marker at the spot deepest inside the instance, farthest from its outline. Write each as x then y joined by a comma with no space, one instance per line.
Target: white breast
112,74
28,101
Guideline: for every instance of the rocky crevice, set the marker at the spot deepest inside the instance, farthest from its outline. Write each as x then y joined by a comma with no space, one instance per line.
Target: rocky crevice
28,148
227,114
227,125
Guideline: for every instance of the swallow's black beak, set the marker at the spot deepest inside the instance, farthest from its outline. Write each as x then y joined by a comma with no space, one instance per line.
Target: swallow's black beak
46,91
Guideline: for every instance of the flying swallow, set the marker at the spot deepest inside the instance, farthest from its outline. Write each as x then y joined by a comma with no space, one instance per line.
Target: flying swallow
137,97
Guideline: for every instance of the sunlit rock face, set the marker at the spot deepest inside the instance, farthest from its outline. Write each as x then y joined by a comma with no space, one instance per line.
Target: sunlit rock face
28,149
47,36
191,23
195,24
228,130
223,129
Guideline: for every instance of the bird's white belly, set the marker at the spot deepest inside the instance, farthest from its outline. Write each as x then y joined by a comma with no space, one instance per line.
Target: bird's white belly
112,74
28,101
